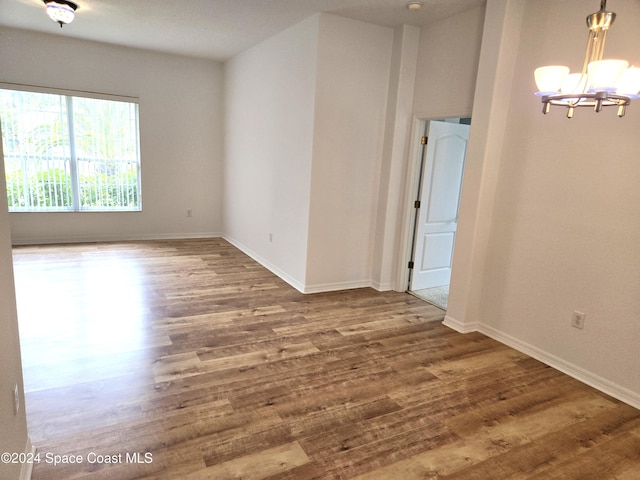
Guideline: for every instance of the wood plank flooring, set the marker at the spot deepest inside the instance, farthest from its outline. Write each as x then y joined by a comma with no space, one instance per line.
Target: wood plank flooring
188,360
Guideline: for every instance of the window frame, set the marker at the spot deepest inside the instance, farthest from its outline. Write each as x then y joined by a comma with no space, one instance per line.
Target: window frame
68,95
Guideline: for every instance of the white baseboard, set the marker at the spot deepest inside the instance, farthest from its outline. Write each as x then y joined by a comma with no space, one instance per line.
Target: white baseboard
332,287
112,238
606,386
301,287
272,268
382,287
599,383
27,467
458,326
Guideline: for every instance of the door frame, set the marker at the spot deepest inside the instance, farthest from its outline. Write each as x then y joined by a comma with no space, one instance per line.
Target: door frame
412,188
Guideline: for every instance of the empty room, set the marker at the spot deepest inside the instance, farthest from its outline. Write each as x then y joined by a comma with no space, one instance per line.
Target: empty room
218,219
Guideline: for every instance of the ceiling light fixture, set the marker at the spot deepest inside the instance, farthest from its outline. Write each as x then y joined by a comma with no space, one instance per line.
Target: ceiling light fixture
61,11
602,83
414,6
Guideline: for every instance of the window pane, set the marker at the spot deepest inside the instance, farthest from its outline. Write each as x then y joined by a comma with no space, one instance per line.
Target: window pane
36,150
70,153
106,142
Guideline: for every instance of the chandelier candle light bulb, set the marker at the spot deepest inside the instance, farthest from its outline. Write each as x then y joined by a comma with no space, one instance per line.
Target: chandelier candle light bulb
574,83
603,75
549,79
602,82
629,83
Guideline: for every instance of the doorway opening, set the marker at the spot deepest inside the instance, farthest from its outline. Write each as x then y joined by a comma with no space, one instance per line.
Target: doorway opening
444,147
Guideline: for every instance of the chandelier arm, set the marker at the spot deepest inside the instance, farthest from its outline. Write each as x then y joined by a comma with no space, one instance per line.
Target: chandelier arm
595,46
589,52
603,90
597,101
602,37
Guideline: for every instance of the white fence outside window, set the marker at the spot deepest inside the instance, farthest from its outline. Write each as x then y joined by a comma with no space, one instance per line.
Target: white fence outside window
70,153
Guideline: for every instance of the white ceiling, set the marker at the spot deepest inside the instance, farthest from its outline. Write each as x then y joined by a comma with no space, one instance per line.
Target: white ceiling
215,29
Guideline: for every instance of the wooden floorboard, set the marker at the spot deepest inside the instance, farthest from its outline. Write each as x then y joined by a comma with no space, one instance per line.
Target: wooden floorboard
185,359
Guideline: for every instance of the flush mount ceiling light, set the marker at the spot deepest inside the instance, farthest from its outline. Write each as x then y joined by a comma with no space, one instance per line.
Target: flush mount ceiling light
61,11
602,83
414,6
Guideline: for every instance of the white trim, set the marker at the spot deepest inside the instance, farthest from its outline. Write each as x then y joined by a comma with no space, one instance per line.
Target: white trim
27,468
332,287
459,326
412,182
408,211
599,383
112,238
446,113
382,287
68,93
610,388
269,266
301,287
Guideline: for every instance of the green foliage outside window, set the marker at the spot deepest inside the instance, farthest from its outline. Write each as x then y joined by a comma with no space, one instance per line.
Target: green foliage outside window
67,153
51,189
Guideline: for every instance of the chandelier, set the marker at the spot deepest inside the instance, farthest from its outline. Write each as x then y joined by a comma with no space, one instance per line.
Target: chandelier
61,11
602,82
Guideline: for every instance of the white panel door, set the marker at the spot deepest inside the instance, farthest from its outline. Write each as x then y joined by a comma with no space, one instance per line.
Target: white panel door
439,201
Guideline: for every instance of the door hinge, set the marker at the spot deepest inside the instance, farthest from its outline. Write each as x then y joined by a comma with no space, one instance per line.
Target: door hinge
416,204
410,265
424,140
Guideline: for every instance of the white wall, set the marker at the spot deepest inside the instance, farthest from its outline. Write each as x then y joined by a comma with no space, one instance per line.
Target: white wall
563,231
305,115
180,132
482,166
269,112
398,148
448,65
14,437
445,83
354,61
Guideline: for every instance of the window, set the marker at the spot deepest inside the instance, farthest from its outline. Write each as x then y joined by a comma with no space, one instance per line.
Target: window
69,153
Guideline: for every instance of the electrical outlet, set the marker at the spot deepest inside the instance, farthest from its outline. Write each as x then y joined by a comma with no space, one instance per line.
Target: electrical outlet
189,213
271,237
16,400
577,320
